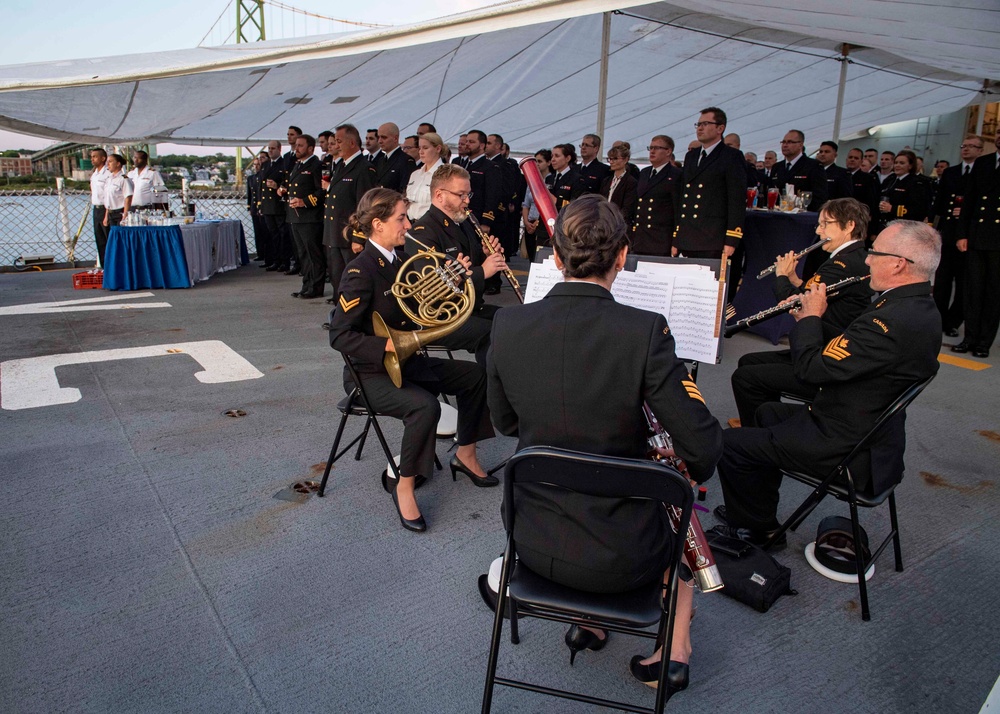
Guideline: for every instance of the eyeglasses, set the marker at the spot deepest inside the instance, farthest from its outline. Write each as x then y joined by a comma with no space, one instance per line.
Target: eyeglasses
824,224
890,255
585,145
700,124
790,141
658,148
456,194
970,146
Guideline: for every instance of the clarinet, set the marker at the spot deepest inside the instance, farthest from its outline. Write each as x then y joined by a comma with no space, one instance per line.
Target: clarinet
770,312
696,551
488,249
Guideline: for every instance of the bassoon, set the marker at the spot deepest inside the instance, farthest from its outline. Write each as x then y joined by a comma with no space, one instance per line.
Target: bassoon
489,250
697,554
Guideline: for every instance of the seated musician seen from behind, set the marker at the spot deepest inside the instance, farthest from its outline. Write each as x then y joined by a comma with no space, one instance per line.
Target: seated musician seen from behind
366,288
594,363
857,374
764,376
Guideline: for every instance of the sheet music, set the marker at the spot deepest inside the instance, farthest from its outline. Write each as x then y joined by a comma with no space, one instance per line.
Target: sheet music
541,277
643,291
686,295
693,319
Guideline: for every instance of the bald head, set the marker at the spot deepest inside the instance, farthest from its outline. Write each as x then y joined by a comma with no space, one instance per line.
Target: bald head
732,140
388,137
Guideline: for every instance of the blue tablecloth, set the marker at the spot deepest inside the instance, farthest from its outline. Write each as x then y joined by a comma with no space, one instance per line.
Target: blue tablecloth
767,234
144,257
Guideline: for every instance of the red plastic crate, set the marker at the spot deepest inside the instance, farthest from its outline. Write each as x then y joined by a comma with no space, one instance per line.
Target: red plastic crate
88,281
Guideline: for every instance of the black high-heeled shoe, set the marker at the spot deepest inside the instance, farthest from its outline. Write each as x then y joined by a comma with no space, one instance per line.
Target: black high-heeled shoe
418,524
678,673
577,638
481,481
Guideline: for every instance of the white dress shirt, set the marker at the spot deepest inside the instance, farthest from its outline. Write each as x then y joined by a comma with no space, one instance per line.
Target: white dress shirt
97,181
418,190
117,188
146,184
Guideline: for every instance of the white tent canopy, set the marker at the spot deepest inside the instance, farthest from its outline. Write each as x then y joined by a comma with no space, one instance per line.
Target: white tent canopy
530,71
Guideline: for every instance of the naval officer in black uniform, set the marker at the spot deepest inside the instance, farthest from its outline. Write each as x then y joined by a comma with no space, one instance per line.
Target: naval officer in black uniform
445,228
712,202
762,377
858,373
592,171
487,182
947,211
273,207
803,173
304,189
365,289
348,183
838,181
656,191
608,359
980,241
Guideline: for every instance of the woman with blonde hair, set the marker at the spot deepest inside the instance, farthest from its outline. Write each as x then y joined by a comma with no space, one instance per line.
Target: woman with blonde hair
433,152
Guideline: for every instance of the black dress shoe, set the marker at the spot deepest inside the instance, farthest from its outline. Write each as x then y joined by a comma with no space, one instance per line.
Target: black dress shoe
951,332
962,347
754,537
720,513
481,481
309,296
980,353
325,325
417,525
296,294
331,301
292,272
678,673
271,268
578,639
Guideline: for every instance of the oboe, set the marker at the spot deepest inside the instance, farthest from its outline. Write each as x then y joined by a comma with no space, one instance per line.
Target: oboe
489,250
771,268
696,551
831,291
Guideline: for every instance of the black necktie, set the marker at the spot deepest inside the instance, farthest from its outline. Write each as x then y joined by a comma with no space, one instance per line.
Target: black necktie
652,173
704,155
788,166
966,172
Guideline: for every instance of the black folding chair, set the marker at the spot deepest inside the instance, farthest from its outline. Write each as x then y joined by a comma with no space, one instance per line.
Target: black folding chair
840,484
524,593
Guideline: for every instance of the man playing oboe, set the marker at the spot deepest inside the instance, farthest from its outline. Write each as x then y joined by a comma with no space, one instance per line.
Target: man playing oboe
857,374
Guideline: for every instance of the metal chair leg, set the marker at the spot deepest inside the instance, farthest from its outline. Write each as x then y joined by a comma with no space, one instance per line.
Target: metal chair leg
364,437
860,565
894,522
333,455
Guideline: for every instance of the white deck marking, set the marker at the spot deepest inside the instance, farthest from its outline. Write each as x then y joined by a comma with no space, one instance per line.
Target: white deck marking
95,303
32,382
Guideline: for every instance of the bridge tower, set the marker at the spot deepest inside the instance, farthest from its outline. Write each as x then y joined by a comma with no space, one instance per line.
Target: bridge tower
249,28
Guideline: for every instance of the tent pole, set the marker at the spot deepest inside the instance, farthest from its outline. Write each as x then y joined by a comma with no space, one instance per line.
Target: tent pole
602,91
982,107
844,49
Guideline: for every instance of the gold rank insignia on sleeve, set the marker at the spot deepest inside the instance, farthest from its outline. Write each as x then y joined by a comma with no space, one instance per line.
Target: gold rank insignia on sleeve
693,391
312,200
488,215
358,234
901,211
881,324
735,233
837,349
814,280
347,305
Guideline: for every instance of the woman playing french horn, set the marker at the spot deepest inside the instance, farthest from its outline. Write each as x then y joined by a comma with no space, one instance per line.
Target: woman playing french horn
366,289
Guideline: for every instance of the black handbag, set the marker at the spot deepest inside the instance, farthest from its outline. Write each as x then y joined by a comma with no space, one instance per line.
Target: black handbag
751,575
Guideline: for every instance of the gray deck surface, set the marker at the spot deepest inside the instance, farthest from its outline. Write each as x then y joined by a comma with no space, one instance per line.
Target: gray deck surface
147,566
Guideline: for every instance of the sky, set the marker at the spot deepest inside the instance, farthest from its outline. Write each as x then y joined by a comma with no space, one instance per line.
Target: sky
73,29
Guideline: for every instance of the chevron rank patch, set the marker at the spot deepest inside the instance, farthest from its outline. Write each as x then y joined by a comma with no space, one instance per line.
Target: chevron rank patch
837,348
692,389
348,305
814,280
